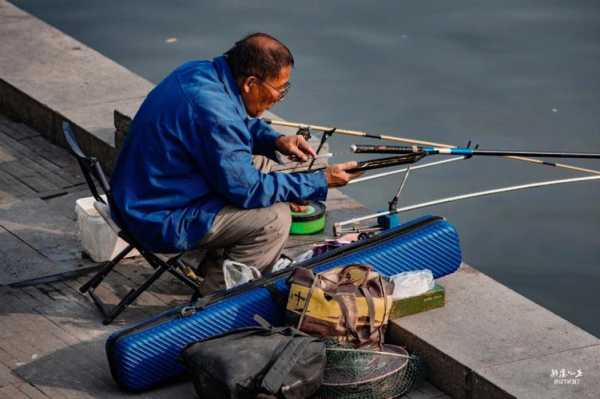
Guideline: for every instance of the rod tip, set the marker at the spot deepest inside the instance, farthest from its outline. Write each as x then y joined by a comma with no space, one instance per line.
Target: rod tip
353,147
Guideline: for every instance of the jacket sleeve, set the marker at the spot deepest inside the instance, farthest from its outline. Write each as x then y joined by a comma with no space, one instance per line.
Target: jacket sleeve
225,159
264,137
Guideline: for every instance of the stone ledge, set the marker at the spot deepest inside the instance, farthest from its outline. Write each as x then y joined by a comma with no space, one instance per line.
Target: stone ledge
47,77
490,342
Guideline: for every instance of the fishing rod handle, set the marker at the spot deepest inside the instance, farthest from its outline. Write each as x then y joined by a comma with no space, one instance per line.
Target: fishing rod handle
385,149
408,149
386,162
377,163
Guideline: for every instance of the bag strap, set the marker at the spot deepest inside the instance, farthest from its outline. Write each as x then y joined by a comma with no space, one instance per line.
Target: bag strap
371,307
366,269
386,315
306,302
278,297
349,313
283,363
262,321
334,284
287,330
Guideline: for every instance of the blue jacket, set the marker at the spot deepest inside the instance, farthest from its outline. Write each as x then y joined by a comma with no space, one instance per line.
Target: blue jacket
189,152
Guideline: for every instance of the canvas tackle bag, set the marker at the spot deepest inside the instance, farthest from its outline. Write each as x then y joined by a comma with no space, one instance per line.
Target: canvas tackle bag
257,362
351,304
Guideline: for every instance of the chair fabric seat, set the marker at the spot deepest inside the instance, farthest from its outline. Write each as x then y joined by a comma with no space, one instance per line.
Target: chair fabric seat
104,211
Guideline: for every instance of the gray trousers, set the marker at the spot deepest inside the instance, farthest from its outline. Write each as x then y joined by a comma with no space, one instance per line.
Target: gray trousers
251,236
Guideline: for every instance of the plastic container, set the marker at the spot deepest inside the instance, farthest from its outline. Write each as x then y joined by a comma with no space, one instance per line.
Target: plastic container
98,240
412,283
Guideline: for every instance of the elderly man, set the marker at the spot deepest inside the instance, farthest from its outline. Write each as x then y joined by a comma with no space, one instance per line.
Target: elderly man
185,178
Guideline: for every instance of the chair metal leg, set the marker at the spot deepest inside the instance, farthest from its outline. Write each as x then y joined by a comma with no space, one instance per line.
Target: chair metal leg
195,296
171,266
132,296
185,279
98,277
159,266
99,304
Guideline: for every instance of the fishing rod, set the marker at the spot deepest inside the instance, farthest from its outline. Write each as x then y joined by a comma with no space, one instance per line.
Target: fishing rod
339,229
464,151
357,133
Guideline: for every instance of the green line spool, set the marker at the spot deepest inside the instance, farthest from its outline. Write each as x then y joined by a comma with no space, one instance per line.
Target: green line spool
310,221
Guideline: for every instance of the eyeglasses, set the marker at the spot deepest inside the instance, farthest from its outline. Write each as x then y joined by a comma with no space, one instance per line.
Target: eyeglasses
282,92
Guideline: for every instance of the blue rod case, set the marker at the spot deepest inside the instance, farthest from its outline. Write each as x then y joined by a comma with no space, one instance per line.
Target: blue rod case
147,354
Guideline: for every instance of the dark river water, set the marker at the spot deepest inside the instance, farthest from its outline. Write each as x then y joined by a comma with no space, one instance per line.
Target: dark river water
513,74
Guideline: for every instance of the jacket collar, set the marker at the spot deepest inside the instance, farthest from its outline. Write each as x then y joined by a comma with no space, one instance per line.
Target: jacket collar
225,75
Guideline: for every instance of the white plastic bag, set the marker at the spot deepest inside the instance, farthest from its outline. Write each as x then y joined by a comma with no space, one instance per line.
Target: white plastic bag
236,273
412,283
304,256
283,263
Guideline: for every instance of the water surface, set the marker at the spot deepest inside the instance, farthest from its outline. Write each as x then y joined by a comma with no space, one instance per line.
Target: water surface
512,74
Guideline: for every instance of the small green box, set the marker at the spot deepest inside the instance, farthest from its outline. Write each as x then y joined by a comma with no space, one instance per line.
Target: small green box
434,298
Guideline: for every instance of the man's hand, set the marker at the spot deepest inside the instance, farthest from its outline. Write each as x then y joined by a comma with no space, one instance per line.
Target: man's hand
337,176
296,146
299,206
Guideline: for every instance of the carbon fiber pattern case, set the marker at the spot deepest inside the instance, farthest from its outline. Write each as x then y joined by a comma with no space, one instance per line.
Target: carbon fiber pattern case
147,354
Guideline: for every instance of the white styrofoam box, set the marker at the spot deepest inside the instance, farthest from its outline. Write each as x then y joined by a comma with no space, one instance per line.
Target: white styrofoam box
98,240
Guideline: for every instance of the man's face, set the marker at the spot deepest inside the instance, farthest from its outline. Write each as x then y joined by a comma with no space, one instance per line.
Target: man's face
260,95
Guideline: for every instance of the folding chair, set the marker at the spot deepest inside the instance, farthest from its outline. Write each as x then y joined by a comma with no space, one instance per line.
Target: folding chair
92,172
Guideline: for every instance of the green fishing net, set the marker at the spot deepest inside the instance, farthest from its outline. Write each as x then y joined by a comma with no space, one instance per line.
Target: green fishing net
366,373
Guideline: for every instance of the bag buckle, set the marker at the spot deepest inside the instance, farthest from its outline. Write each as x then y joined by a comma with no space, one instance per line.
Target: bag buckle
187,311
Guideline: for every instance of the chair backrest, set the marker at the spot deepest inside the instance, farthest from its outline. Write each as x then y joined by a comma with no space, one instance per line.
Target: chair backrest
90,167
92,171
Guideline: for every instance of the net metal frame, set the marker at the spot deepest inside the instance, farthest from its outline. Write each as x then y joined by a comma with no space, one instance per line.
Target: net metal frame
369,373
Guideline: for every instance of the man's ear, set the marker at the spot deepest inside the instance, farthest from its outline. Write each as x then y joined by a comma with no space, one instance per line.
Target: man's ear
247,84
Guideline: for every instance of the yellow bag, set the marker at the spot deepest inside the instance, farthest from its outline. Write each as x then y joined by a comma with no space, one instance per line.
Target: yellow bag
350,304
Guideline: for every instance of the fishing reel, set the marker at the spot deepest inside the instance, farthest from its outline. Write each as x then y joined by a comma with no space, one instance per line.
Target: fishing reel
311,220
304,131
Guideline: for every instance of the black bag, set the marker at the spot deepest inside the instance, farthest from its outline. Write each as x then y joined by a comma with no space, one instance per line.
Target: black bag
257,361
